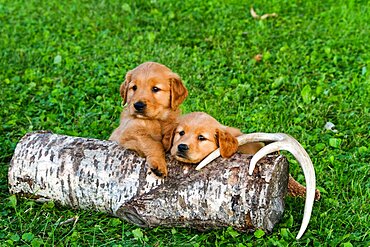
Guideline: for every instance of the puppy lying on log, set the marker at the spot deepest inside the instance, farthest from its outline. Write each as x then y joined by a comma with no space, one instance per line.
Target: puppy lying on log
102,175
199,135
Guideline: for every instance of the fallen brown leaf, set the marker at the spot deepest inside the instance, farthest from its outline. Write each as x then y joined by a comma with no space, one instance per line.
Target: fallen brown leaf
258,57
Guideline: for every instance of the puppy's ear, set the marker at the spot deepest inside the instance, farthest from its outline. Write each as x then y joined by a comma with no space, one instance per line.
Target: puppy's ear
168,134
227,143
248,148
124,87
233,131
178,91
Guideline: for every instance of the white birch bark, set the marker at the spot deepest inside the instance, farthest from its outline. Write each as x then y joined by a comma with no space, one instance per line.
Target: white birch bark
94,174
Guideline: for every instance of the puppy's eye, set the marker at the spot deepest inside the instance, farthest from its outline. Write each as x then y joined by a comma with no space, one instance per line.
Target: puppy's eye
201,138
134,87
181,133
155,89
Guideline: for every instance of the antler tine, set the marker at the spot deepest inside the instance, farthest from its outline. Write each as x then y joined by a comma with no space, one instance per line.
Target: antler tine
208,159
270,148
259,137
309,173
294,147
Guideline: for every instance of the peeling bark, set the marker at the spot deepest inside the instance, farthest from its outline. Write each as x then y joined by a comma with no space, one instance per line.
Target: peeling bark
94,174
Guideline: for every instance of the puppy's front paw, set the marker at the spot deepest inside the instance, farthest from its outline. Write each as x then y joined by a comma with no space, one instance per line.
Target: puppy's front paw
159,168
158,173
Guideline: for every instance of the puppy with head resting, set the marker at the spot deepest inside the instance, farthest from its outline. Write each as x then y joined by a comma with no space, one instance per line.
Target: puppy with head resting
152,94
198,134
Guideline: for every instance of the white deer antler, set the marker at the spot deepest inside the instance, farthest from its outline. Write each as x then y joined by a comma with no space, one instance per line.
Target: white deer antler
280,141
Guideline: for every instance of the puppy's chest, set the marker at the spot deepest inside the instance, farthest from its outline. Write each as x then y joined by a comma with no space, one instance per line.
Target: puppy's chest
152,128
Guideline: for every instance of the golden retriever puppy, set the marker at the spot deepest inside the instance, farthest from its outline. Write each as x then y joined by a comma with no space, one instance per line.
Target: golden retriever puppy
198,134
152,94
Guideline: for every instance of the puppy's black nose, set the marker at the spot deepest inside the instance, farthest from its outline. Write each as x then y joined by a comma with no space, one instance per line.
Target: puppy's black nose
139,106
182,147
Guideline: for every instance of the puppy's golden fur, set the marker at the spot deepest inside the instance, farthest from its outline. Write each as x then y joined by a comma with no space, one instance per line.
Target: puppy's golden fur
153,94
198,134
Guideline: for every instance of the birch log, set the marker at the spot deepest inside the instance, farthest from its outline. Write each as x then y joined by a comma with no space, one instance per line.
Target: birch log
100,175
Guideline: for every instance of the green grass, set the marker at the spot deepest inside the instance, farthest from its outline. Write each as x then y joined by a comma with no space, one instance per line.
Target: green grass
61,64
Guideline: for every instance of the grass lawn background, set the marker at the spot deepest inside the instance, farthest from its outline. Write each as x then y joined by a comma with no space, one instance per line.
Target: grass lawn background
61,64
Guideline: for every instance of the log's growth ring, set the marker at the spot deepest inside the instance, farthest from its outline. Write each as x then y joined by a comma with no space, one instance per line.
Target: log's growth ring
100,175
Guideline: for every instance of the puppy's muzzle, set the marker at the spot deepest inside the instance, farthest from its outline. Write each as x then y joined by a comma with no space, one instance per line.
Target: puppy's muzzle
182,149
140,106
